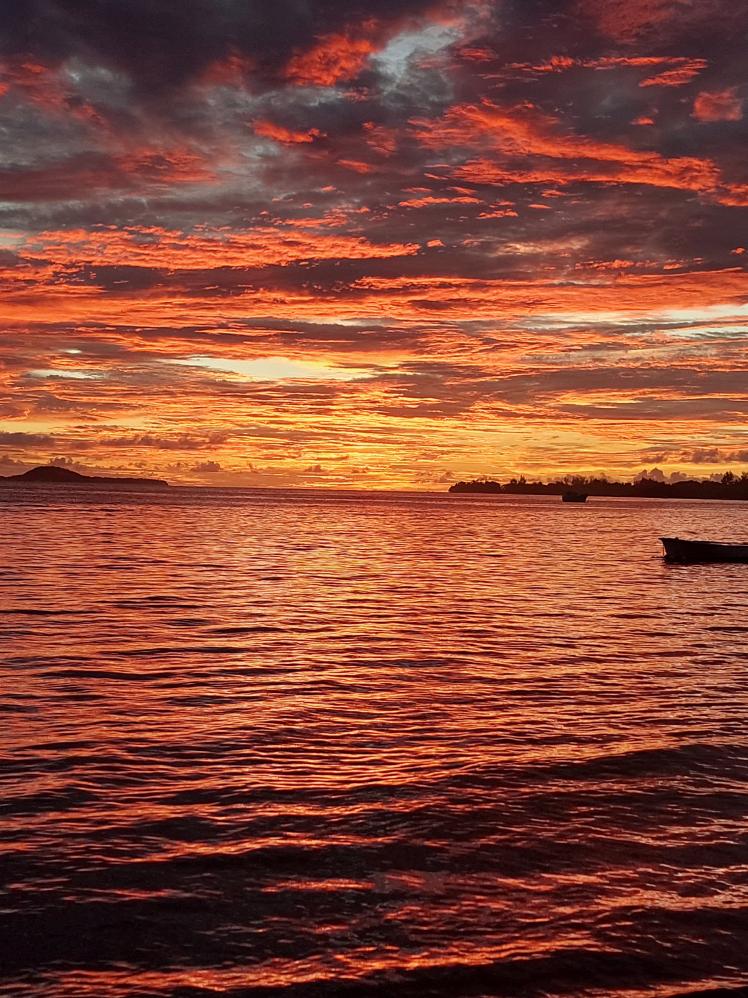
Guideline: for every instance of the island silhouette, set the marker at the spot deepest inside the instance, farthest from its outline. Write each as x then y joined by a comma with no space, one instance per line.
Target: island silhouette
51,474
729,486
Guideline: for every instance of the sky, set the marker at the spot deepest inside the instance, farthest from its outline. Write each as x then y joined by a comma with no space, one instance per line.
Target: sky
373,245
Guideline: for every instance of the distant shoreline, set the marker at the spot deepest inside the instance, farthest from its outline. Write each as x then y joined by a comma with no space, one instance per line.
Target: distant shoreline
729,487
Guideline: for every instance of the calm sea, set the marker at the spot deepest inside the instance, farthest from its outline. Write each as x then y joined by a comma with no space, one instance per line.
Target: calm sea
305,744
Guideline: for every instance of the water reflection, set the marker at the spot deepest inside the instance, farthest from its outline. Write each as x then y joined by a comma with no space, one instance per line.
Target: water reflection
413,745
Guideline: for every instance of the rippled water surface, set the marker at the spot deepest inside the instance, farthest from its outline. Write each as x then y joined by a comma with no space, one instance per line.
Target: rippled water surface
300,744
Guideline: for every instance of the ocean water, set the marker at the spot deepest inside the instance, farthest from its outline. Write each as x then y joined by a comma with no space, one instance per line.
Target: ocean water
306,744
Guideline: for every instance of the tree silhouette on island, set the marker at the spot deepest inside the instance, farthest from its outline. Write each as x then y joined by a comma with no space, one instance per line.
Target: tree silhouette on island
729,486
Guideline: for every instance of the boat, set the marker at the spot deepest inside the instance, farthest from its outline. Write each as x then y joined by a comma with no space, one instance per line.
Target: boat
574,497
678,549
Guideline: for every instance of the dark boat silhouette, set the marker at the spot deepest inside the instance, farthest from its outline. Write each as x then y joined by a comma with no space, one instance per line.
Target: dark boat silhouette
685,551
572,496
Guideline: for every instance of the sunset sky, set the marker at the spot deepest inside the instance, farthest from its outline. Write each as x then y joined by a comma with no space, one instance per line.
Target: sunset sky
392,244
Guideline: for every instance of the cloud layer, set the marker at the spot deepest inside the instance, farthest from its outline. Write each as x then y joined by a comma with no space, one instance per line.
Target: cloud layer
332,244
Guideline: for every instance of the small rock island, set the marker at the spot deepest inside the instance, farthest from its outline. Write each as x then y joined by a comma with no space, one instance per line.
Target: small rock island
52,475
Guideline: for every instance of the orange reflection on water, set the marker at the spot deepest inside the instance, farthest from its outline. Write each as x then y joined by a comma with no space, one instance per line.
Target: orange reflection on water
415,741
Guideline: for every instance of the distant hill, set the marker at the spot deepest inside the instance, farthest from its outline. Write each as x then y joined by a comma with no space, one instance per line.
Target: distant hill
52,475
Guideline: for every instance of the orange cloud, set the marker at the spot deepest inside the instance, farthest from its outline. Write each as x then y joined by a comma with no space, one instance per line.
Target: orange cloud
270,130
676,77
476,54
147,168
621,293
154,247
335,57
230,71
555,155
177,302
678,69
627,20
428,202
720,105
169,165
357,165
381,139
47,88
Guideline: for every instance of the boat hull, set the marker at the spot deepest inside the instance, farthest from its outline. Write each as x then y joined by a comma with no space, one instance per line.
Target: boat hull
685,551
573,497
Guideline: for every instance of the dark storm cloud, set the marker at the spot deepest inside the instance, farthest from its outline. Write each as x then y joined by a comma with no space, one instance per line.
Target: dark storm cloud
10,439
177,441
161,44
